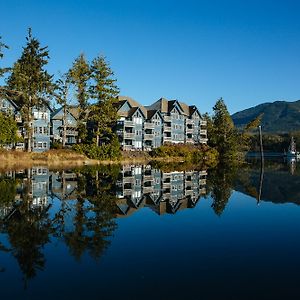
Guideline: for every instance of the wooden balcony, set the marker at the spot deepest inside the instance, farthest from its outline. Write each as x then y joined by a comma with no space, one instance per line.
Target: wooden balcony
167,118
189,140
129,135
71,132
148,136
128,124
148,125
167,128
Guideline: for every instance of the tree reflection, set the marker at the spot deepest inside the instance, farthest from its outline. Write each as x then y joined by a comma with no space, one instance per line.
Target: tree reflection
220,184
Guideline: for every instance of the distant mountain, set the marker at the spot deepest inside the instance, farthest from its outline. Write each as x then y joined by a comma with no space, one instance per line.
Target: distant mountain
279,116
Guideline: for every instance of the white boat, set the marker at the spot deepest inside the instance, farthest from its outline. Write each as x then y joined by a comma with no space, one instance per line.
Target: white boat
292,152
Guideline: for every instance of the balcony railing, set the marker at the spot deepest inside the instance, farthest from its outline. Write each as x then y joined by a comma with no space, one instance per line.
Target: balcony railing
203,141
167,128
189,140
189,130
203,123
167,138
203,131
167,118
189,121
128,147
129,124
71,132
129,135
148,136
148,125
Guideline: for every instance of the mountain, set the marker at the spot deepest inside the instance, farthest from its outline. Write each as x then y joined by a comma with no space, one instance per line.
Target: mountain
279,116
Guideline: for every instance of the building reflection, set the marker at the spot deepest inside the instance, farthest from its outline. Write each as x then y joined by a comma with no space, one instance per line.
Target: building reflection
163,192
137,186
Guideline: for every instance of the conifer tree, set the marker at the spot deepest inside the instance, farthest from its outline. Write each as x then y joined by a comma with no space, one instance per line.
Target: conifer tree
223,134
31,80
104,90
2,46
79,76
62,98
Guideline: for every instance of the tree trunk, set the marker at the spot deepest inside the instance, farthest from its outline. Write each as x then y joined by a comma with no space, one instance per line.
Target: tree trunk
64,127
29,127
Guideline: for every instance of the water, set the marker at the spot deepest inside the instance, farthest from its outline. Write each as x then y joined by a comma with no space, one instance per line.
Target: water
141,232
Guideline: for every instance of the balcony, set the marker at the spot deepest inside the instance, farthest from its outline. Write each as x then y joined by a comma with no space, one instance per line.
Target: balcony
148,125
189,140
18,119
167,139
128,124
129,135
128,147
189,121
167,128
148,136
203,141
202,181
189,130
203,131
71,132
203,123
167,118
148,178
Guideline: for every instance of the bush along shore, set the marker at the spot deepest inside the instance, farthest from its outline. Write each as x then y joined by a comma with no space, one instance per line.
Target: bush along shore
193,155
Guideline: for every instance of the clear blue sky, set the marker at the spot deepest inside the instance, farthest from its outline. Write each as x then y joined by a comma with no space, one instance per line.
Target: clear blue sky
248,52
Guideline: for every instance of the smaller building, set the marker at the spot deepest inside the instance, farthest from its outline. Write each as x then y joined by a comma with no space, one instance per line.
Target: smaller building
67,120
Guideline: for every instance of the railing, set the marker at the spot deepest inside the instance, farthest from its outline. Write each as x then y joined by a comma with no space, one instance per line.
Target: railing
148,136
167,118
129,124
189,130
189,121
129,135
203,141
203,123
203,131
189,140
148,178
127,147
167,138
148,125
18,119
70,132
167,128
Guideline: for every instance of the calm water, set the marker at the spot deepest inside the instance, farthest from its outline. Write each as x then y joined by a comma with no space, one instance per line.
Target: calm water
144,232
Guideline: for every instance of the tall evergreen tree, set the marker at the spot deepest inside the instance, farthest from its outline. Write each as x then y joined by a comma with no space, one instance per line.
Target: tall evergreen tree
223,136
104,90
31,80
2,46
62,98
79,75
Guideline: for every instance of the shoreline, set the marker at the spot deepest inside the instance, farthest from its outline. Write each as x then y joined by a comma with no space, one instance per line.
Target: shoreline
68,158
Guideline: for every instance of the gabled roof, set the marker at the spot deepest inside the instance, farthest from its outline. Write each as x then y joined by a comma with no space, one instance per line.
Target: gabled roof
165,106
152,112
132,103
10,101
133,110
74,111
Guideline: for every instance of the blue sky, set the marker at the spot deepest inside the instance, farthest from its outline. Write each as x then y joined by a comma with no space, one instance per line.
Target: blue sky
247,52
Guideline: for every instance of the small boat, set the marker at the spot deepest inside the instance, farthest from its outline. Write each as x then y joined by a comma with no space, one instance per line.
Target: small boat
292,152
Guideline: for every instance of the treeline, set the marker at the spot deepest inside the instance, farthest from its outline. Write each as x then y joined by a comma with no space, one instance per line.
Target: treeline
91,84
273,142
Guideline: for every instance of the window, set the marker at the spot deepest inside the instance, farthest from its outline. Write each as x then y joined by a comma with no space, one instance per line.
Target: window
35,129
137,120
45,144
45,130
40,130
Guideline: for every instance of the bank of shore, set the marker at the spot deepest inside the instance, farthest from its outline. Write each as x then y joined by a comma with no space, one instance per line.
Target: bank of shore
69,158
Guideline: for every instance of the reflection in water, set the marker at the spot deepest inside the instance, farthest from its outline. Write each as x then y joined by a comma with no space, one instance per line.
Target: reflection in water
79,207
